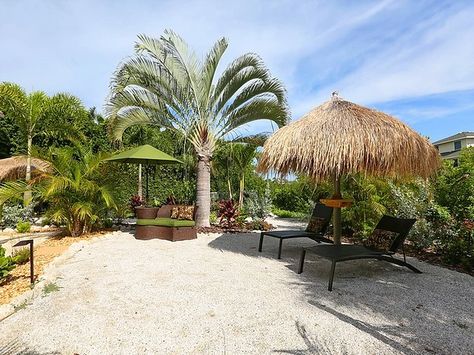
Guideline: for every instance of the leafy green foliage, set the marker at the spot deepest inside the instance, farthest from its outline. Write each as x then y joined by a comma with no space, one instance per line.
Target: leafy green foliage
455,186
6,264
298,195
213,217
78,192
288,214
14,213
258,206
258,224
23,227
21,256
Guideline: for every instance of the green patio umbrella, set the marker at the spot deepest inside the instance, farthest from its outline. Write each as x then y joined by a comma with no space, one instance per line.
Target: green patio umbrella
146,155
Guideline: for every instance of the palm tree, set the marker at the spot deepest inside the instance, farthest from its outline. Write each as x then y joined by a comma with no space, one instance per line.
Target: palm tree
77,191
242,156
28,111
74,188
166,85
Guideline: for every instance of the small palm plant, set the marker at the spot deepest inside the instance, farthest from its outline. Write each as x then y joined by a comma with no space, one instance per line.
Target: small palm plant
75,190
166,85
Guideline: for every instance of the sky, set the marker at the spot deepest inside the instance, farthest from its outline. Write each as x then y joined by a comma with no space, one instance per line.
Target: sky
411,59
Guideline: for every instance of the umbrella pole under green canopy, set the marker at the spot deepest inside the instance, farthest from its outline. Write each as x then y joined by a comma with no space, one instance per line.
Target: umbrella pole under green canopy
146,155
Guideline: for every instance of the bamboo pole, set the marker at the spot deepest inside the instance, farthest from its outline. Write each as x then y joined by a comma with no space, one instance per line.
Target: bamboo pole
140,185
337,228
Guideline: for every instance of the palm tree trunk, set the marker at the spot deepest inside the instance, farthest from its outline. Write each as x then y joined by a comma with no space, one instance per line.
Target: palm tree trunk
203,198
241,191
27,195
229,186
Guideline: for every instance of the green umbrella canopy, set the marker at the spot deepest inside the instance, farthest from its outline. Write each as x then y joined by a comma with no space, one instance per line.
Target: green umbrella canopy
144,154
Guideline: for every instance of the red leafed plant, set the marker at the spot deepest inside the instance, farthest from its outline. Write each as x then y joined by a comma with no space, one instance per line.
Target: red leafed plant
135,201
228,213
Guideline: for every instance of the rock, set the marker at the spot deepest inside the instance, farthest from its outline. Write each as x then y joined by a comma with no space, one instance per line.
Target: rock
8,230
46,226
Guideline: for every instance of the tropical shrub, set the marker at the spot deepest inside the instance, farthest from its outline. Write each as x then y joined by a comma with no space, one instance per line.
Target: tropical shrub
77,193
23,227
454,186
292,196
14,213
6,264
21,256
213,218
288,214
258,224
258,206
369,197
228,213
135,201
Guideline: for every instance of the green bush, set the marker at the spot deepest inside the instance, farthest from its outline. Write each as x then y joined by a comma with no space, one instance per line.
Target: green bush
14,213
21,256
6,264
213,217
45,221
107,223
456,244
288,214
258,224
257,206
23,227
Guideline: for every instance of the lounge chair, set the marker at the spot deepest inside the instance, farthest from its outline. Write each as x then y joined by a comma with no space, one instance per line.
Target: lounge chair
317,226
389,235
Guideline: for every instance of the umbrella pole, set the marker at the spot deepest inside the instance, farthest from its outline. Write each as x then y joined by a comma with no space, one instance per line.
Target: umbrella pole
146,177
337,211
140,187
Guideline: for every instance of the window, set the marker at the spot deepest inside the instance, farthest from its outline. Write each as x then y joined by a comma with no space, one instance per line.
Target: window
457,145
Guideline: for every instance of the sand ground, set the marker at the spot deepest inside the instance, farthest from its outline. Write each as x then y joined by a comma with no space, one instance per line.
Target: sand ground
218,295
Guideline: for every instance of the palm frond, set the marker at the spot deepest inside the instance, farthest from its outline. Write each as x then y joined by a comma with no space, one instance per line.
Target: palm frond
257,109
12,190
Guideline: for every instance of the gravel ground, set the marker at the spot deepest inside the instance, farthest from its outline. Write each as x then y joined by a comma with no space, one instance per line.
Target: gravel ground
217,295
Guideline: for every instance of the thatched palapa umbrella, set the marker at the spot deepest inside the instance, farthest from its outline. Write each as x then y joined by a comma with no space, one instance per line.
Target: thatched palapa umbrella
340,137
14,168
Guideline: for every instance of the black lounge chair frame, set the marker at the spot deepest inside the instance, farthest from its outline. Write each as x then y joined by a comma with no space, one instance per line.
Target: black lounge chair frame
320,211
337,253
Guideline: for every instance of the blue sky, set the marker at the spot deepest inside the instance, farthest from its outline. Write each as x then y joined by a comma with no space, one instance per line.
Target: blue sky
413,59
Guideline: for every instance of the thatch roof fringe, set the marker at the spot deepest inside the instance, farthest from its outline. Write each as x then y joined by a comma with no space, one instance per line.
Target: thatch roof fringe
14,168
340,137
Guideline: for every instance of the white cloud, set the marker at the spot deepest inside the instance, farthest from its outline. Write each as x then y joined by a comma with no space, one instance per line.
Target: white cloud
371,51
434,57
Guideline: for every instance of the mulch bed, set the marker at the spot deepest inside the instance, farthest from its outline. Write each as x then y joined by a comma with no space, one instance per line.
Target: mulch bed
18,281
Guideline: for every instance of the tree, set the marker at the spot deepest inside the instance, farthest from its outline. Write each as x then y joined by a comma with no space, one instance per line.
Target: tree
37,115
242,156
166,85
26,110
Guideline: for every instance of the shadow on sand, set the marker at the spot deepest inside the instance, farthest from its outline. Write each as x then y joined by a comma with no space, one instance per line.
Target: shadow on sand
18,348
425,313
